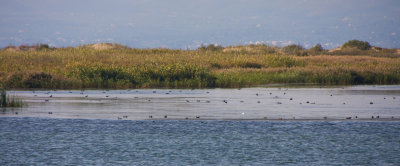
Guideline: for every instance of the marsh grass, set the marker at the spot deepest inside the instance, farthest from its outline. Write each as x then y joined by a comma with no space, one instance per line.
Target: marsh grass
123,67
9,101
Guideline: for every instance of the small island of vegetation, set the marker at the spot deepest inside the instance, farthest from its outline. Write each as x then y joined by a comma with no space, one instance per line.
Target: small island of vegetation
115,66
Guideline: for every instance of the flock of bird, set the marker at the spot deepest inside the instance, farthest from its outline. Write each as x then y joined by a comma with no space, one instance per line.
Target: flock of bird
106,95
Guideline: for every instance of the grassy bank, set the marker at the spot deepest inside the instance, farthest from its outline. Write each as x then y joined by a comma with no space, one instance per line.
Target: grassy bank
123,67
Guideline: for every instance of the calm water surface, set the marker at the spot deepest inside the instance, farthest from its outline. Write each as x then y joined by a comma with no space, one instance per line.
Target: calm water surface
43,141
216,104
251,126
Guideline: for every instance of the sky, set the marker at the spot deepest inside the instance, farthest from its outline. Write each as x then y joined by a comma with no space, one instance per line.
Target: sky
186,24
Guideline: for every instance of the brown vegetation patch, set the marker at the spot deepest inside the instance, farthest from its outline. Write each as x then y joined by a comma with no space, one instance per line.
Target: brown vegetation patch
106,46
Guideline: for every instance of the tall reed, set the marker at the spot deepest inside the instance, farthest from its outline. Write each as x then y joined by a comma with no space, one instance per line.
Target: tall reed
7,101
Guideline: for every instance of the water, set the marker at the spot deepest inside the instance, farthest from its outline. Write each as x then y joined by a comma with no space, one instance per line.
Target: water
43,141
250,126
332,103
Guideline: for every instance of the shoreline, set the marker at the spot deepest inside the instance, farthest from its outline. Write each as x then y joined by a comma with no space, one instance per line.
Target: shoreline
228,119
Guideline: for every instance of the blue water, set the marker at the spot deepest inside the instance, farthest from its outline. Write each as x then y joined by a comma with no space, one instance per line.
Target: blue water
42,141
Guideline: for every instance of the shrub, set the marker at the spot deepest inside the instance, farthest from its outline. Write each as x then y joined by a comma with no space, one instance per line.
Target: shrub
294,49
317,48
362,45
43,47
15,81
39,80
210,47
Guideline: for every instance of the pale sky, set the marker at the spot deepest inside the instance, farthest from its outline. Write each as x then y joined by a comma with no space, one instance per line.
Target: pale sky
188,23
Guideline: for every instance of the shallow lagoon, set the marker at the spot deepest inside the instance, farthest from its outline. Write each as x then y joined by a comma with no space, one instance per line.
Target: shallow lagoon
249,126
331,103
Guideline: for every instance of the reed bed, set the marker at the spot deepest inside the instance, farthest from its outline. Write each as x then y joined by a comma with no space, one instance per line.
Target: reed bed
85,67
9,101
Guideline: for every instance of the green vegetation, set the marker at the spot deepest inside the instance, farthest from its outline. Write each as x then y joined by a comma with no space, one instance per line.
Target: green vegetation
317,49
362,45
116,66
295,50
7,101
211,47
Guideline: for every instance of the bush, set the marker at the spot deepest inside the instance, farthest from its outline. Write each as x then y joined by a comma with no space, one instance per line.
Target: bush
317,48
362,45
211,47
39,80
43,47
294,49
